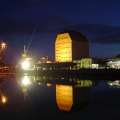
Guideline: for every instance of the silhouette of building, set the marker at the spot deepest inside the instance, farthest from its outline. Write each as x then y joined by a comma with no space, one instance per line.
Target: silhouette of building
70,46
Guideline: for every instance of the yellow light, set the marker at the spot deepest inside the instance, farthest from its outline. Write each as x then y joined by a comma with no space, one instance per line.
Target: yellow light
25,65
24,55
63,48
64,97
3,45
84,83
3,99
26,81
49,84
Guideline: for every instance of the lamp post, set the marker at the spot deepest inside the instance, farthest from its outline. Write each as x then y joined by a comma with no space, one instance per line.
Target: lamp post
3,45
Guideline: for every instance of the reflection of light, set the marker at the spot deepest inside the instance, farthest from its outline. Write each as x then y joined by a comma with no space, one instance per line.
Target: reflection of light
39,83
49,84
64,97
110,84
84,83
26,81
114,83
25,65
3,99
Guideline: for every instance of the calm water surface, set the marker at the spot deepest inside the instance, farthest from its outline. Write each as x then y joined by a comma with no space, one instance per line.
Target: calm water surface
39,97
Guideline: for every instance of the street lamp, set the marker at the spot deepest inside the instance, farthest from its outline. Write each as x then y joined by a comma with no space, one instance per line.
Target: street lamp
25,65
3,45
26,81
3,99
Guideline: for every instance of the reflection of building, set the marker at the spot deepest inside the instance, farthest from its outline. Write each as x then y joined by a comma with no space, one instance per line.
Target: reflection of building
115,83
71,46
68,96
84,83
64,97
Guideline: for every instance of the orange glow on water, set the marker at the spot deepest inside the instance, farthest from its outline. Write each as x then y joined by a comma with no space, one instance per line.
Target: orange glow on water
64,97
3,99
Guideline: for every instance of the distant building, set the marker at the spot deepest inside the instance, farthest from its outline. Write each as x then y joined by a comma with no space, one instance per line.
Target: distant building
44,59
93,63
83,63
71,46
114,63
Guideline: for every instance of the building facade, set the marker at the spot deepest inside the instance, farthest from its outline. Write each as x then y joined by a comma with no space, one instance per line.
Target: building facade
70,46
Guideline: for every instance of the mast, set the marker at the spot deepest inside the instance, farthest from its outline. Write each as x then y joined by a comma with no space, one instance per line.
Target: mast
24,54
26,48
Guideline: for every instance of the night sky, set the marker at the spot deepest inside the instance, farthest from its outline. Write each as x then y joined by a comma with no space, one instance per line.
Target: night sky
40,20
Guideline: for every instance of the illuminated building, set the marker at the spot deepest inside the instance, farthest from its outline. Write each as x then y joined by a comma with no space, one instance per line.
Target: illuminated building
83,63
44,60
71,46
114,63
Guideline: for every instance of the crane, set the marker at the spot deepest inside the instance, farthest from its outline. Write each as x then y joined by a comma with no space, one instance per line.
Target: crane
26,48
26,61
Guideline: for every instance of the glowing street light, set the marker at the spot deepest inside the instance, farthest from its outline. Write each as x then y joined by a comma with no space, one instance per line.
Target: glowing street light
3,99
26,64
3,45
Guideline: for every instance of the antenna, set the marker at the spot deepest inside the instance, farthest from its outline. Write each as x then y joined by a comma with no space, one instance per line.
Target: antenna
29,44
24,49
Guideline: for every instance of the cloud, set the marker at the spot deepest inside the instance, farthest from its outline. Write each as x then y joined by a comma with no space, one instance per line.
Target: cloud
24,26
98,33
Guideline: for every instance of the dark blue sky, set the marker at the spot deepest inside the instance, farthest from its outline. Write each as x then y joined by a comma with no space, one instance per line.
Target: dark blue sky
98,20
90,11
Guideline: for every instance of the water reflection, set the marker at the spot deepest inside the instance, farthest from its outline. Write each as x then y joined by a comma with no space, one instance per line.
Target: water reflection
114,84
49,84
25,82
84,83
64,97
68,93
61,93
3,98
73,96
